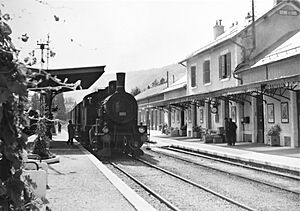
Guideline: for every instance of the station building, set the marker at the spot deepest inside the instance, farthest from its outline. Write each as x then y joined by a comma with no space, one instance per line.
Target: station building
249,73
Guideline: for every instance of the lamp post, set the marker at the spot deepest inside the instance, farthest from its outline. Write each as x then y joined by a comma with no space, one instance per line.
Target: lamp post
48,94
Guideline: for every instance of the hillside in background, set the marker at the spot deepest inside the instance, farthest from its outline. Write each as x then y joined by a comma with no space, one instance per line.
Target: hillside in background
142,78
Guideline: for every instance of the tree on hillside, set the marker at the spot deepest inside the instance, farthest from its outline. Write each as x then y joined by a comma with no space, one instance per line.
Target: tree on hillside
69,103
35,101
162,80
61,108
135,91
155,83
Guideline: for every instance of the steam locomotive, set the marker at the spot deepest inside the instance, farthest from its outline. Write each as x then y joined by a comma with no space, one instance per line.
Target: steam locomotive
108,120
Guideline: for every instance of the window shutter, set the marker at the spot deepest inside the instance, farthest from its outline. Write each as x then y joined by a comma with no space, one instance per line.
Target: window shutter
208,71
204,72
220,67
228,63
193,76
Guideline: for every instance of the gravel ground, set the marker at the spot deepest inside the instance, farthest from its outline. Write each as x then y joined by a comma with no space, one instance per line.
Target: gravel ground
284,182
181,194
72,189
141,191
252,194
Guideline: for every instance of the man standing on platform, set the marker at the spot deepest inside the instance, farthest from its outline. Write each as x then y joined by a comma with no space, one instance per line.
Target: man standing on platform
59,127
70,132
232,132
227,132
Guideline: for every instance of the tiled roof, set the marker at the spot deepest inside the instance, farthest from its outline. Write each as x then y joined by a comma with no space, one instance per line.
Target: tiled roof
151,92
233,31
181,83
223,37
289,48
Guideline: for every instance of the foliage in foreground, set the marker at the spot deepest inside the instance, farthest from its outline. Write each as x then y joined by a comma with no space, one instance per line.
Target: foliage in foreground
15,191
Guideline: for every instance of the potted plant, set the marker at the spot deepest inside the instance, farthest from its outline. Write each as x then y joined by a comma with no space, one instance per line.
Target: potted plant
174,131
42,141
182,131
208,137
274,135
197,131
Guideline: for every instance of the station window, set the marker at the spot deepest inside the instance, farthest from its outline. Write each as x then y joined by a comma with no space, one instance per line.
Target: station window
173,116
178,116
201,116
225,66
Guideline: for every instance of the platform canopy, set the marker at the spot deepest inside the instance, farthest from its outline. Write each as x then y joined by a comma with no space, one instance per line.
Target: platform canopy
86,76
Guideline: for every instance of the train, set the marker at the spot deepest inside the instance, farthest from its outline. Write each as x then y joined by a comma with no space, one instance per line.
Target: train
106,121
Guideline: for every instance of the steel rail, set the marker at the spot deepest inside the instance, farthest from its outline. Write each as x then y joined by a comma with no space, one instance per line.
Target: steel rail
234,174
198,185
234,163
156,195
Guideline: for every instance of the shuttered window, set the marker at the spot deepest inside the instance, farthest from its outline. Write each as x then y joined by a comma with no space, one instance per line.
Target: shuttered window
206,72
178,116
193,76
225,66
173,116
190,115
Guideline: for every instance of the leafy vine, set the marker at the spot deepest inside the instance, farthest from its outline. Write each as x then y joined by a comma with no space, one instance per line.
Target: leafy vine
14,80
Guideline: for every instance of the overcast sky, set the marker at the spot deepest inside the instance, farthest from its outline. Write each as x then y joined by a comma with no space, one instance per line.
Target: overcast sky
123,35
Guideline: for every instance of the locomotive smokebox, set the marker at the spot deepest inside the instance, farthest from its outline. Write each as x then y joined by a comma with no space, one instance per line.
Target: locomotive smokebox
112,87
120,82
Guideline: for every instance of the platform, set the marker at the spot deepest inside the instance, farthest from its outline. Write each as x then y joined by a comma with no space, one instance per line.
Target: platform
81,182
279,157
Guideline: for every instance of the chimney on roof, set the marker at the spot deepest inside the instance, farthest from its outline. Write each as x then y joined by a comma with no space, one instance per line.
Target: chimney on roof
218,29
277,2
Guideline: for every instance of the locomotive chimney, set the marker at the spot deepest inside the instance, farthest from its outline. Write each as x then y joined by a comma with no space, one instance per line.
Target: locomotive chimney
120,82
112,87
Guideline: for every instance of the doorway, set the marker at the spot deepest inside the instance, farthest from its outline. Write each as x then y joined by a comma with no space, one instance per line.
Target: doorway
298,113
182,123
260,118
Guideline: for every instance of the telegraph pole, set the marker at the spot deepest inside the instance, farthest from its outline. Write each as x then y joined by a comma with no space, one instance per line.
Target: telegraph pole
48,95
253,27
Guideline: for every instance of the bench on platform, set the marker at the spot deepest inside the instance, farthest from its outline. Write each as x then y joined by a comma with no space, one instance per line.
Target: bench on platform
38,174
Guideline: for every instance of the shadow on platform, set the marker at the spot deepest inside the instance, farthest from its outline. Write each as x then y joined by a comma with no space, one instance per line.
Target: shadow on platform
62,148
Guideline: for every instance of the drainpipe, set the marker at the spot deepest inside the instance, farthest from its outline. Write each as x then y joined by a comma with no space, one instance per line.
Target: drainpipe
235,76
167,78
267,72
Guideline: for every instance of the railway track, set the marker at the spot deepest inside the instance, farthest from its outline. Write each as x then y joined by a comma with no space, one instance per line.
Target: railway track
147,188
294,179
295,176
255,195
228,200
238,205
